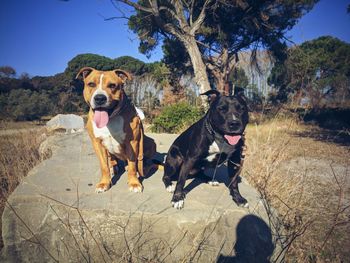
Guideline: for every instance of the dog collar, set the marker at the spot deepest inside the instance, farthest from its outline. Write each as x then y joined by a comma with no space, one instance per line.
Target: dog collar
221,142
209,127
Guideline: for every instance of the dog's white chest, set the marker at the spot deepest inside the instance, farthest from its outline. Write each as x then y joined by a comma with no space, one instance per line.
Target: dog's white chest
213,151
112,135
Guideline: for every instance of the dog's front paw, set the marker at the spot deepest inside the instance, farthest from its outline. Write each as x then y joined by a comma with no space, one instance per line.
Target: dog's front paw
102,187
178,201
170,188
245,205
178,205
213,183
135,187
240,201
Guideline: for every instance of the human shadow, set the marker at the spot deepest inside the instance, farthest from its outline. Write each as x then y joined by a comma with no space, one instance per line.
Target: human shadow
253,242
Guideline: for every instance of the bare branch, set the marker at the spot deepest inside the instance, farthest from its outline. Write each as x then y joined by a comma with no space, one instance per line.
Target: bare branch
113,17
180,11
196,25
208,47
135,5
191,12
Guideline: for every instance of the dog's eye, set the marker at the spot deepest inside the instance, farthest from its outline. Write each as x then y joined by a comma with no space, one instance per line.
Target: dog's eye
92,84
222,108
112,86
239,108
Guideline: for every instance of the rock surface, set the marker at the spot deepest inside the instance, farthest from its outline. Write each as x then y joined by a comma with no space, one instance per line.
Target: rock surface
69,122
56,216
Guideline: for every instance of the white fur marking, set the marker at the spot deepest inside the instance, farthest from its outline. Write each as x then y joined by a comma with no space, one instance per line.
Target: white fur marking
178,204
137,189
170,188
246,205
234,117
99,90
140,113
213,151
214,183
99,190
112,135
100,84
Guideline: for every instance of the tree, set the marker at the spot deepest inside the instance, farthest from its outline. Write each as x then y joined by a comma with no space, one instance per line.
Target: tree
239,78
133,65
144,91
212,32
7,71
318,70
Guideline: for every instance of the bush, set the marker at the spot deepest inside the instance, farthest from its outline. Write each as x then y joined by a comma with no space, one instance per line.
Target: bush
176,117
23,104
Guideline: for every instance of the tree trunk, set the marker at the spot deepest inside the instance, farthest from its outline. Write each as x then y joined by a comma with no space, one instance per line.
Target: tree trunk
199,68
220,85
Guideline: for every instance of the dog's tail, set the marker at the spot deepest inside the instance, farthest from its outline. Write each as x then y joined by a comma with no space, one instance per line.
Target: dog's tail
158,164
152,166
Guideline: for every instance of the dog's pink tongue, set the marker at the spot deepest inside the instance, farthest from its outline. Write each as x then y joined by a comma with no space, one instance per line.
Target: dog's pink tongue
232,139
101,118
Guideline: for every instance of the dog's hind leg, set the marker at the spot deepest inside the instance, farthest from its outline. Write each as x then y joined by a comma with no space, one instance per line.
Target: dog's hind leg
113,164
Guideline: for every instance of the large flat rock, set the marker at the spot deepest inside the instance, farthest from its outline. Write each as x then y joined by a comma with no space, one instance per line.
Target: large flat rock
55,215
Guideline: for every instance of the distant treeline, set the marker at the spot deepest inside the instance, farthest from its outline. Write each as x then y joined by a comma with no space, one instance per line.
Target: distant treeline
313,75
29,98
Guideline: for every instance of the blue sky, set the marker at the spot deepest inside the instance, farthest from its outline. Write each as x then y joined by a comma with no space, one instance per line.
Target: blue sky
40,36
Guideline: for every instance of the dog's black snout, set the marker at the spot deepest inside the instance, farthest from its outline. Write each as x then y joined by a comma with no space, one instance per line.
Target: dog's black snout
100,99
234,125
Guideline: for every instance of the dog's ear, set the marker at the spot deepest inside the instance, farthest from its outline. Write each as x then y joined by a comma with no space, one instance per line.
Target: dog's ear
84,72
122,74
239,93
211,94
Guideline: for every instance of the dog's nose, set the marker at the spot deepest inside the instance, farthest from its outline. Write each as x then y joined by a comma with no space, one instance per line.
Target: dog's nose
100,99
234,125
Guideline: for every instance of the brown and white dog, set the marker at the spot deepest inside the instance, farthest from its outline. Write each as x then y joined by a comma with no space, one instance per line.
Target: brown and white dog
114,126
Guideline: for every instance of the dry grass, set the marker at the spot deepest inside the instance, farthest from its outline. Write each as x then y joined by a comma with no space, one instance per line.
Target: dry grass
15,125
19,153
311,214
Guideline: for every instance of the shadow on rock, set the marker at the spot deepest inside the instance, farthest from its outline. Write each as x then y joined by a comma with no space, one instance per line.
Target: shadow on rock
253,242
119,169
211,174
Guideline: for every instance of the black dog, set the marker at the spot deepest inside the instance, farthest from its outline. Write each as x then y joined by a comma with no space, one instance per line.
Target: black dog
214,139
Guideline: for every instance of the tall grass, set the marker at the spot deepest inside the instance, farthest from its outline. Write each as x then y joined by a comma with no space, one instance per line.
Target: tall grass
19,153
309,214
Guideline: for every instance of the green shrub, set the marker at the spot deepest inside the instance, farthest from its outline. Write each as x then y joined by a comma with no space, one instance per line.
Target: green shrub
176,117
21,104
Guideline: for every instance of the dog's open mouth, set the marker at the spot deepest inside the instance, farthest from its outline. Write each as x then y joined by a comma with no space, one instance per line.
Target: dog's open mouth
232,139
101,118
